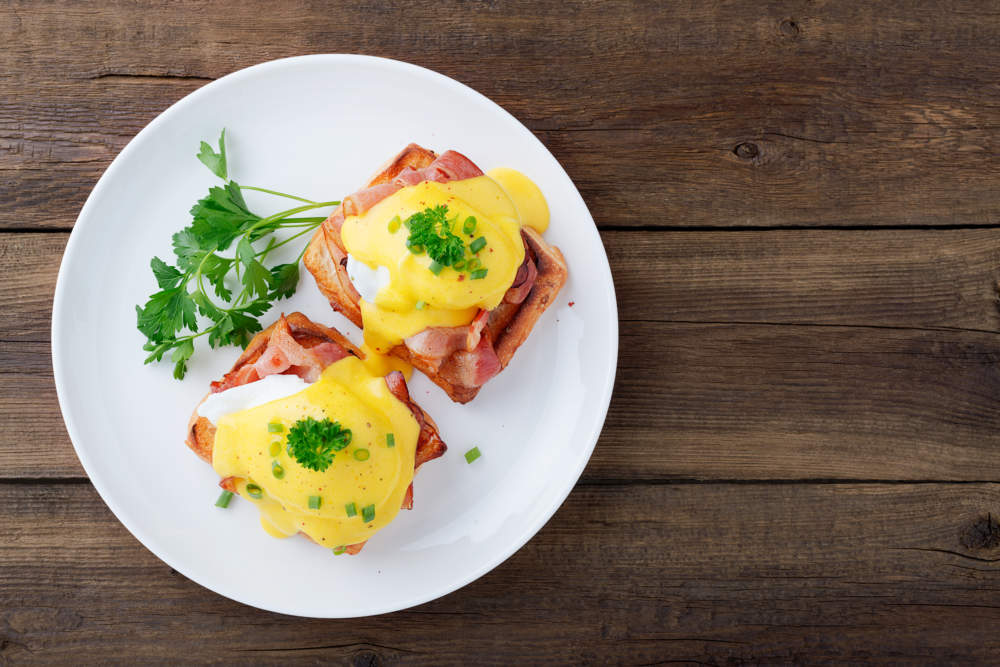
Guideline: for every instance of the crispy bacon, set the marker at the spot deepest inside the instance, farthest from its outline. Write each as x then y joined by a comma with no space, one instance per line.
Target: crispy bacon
472,368
435,344
523,281
284,355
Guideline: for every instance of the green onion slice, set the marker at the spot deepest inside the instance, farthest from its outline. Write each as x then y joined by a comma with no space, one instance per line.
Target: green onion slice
436,267
478,244
254,491
478,274
361,454
315,502
275,448
390,440
351,509
277,470
470,224
459,265
275,427
472,455
473,264
339,550
224,499
394,224
420,305
368,513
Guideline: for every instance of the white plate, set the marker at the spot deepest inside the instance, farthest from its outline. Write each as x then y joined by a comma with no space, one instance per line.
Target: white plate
318,126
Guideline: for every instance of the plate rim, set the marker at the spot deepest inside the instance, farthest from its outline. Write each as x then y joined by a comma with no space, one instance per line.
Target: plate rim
102,486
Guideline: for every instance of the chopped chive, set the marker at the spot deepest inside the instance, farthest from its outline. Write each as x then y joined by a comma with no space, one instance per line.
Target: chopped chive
339,550
254,491
275,448
472,455
459,265
470,224
478,244
394,224
224,499
315,502
277,470
478,274
275,427
436,267
351,509
361,454
473,264
390,440
420,305
368,513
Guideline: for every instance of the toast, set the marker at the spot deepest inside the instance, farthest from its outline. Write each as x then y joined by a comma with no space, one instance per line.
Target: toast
508,325
201,432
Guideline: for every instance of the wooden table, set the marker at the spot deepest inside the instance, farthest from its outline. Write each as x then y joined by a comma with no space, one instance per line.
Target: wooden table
801,203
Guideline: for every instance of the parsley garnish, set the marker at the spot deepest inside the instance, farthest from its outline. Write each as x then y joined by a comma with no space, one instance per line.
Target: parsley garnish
431,229
314,443
219,221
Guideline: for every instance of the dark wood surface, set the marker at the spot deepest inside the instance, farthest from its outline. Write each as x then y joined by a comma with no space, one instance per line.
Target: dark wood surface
801,205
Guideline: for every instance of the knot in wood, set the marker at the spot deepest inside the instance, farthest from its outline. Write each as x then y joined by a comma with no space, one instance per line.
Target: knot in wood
746,150
366,658
983,533
789,28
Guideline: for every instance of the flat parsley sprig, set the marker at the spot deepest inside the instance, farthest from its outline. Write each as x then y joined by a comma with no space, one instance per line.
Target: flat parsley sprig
220,220
314,443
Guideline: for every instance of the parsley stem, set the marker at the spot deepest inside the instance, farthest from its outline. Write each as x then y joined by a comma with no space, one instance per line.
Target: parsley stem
284,214
308,229
274,192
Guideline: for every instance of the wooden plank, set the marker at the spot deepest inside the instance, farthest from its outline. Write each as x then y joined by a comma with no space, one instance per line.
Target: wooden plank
713,401
889,372
710,572
898,278
790,115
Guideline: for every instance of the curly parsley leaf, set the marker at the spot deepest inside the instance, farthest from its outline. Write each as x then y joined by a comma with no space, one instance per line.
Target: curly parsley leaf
314,443
431,229
284,280
166,275
216,162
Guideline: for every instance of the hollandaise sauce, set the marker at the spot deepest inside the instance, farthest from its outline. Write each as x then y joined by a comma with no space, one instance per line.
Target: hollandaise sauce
362,486
449,249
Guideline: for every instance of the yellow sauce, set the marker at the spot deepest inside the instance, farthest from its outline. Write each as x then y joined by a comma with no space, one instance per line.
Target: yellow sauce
381,365
347,392
451,298
528,198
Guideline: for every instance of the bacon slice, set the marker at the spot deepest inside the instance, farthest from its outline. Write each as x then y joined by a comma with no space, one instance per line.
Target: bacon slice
435,344
523,281
472,368
284,355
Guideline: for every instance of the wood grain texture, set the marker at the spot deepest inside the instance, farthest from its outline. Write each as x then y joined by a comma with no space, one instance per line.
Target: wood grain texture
713,401
773,573
799,201
883,358
720,114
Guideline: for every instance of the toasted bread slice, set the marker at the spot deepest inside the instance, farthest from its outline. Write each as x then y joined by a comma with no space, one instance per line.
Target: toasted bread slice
308,334
509,324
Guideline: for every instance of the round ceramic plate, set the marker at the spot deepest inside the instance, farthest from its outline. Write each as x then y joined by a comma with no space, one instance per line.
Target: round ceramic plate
318,126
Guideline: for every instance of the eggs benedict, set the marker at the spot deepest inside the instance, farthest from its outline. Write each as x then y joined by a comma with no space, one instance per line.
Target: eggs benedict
307,429
442,265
